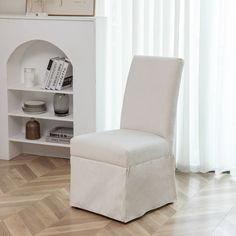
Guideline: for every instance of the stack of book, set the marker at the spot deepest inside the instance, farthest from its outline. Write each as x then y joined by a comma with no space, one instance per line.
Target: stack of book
60,135
59,74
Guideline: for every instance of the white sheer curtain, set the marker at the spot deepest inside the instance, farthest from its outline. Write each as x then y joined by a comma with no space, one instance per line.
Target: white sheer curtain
203,32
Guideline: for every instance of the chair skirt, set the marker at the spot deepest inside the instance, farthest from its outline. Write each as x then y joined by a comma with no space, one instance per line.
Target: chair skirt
122,193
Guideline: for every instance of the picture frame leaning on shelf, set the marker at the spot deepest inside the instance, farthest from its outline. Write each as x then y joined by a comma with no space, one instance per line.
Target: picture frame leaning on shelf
61,7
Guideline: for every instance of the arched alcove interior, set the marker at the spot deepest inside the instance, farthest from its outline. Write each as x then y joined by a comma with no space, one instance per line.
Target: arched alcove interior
31,54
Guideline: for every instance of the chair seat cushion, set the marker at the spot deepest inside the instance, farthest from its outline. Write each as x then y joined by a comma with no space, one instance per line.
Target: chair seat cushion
120,147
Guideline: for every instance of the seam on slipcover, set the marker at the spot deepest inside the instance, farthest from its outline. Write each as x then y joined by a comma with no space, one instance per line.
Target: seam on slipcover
125,203
155,159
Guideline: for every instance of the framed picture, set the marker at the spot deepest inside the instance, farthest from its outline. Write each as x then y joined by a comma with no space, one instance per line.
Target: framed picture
34,7
62,7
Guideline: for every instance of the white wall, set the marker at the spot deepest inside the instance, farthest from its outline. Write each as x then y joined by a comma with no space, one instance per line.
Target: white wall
12,6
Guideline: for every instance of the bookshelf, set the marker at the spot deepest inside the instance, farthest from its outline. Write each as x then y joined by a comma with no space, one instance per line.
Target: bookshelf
33,49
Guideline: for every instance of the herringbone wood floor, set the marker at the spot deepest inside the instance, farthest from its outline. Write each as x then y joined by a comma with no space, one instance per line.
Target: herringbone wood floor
34,200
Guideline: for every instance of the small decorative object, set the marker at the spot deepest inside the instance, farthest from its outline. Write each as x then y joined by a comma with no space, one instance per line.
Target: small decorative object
70,7
32,129
35,8
61,104
60,135
34,107
29,77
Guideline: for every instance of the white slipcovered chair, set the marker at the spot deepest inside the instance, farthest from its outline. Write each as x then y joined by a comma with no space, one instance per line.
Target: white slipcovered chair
125,173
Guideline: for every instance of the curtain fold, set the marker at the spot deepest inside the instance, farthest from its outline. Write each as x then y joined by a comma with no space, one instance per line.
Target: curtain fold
204,34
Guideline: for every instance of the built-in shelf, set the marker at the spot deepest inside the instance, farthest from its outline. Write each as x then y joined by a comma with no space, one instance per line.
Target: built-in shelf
21,87
49,115
33,49
20,138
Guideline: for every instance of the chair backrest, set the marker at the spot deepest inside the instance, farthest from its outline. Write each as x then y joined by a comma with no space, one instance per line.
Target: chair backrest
151,95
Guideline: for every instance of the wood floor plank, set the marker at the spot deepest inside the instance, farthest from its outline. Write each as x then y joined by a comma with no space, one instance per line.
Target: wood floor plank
3,230
41,166
228,224
79,228
16,226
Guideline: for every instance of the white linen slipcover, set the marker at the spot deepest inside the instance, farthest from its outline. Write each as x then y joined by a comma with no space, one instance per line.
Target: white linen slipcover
125,173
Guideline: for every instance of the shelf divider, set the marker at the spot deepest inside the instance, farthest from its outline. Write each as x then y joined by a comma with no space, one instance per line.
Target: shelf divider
20,138
20,87
49,115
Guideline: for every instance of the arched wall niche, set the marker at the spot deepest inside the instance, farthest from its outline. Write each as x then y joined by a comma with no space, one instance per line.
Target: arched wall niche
33,48
31,54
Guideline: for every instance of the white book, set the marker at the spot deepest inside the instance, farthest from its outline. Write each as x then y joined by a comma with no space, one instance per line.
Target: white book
66,72
47,73
62,75
57,74
47,85
53,72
